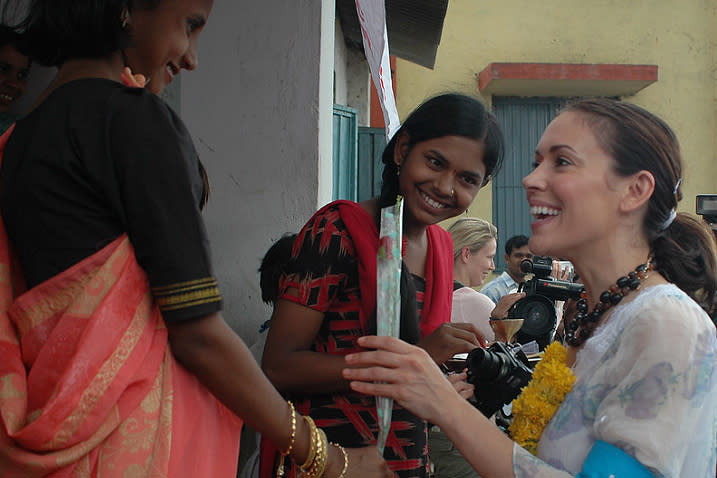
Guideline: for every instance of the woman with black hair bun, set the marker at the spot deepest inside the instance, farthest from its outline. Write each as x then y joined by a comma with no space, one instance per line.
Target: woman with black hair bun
116,360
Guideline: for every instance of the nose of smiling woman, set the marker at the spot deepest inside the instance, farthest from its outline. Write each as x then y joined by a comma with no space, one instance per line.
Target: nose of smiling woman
190,59
535,180
445,184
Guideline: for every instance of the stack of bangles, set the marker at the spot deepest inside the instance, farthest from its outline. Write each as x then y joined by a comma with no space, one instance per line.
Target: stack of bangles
316,460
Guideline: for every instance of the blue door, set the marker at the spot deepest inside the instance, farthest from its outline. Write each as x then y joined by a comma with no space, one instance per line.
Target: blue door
523,121
345,162
371,143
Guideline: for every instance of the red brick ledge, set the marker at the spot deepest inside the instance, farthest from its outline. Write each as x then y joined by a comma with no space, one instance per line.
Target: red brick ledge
626,78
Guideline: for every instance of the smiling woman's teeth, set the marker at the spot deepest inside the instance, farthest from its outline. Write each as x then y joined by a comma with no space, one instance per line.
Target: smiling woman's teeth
543,211
7,98
433,203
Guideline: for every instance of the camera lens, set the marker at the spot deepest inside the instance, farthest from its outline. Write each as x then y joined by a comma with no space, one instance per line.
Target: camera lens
539,314
484,365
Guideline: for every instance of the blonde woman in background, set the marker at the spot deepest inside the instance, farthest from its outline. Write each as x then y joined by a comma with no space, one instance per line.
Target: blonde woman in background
474,248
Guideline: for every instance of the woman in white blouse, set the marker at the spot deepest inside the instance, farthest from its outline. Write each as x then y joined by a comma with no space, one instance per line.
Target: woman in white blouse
603,194
474,247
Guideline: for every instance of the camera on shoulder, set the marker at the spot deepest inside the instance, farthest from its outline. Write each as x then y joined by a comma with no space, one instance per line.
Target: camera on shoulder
537,308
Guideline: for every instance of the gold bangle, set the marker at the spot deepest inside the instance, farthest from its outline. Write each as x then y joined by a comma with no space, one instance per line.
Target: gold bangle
313,441
346,459
292,439
318,466
293,430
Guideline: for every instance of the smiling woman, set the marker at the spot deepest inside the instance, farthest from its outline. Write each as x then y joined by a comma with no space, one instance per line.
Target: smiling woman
116,360
14,68
444,152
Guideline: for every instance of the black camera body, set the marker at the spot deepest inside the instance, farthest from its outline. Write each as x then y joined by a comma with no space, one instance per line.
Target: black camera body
706,206
498,373
537,308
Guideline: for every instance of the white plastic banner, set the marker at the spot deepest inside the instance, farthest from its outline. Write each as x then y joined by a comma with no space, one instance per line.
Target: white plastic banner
372,18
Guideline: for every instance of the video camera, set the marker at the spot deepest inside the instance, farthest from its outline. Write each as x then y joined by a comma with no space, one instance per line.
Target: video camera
498,374
707,208
537,308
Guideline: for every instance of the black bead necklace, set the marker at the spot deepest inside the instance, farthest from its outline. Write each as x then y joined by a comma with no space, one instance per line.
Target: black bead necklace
584,322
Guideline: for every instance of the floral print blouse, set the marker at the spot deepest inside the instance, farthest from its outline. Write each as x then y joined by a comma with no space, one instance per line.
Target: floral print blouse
646,383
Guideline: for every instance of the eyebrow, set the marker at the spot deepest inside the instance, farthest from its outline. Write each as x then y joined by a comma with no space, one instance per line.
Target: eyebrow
474,174
556,147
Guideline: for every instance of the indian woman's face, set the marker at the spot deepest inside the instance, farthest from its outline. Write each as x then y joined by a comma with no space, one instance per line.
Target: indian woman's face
14,68
164,39
439,177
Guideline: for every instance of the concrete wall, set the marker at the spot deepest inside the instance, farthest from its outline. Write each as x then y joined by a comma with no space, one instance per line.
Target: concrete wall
259,109
352,79
679,37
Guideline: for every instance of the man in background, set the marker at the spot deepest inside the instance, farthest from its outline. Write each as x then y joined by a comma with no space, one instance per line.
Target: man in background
516,249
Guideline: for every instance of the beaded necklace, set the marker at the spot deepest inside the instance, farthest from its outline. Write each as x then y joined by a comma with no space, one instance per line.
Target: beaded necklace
584,322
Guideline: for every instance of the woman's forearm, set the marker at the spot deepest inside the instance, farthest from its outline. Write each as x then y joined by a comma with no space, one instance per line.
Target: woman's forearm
306,372
483,445
210,350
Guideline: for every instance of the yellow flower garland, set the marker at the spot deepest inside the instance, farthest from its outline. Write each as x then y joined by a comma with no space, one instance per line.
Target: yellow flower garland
540,399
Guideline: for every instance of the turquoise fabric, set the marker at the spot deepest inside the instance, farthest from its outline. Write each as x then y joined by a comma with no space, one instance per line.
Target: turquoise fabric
608,461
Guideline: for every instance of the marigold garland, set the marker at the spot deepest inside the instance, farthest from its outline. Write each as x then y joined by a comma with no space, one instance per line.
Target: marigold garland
540,399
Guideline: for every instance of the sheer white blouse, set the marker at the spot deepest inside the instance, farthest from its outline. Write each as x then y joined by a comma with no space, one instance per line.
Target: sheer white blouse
646,383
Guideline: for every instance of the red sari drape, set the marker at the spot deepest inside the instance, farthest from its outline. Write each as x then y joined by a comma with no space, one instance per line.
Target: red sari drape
88,384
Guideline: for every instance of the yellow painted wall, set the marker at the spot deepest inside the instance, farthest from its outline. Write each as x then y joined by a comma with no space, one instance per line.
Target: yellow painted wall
680,37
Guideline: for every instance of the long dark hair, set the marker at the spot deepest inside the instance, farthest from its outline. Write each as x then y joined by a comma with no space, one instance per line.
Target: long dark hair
450,114
8,36
54,31
683,247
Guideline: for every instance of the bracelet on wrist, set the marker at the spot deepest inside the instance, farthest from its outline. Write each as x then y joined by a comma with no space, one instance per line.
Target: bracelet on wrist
292,439
346,459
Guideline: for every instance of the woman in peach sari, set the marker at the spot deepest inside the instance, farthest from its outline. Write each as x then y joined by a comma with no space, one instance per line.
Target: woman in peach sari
116,359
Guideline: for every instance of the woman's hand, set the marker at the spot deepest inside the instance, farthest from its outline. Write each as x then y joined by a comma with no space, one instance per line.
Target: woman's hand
458,380
364,462
505,303
450,339
405,373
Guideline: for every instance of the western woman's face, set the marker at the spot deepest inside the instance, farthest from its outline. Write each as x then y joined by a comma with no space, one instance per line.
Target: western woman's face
573,191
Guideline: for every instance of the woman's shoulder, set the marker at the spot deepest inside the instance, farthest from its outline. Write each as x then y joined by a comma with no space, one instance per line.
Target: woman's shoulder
665,307
97,100
469,294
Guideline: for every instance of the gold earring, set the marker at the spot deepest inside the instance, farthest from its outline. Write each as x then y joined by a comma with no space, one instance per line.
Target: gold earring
398,170
453,192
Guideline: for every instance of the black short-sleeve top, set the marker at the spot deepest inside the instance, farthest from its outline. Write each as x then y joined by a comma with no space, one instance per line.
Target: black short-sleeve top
93,161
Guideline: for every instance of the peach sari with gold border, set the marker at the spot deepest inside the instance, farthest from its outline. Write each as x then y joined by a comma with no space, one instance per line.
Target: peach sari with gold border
88,384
